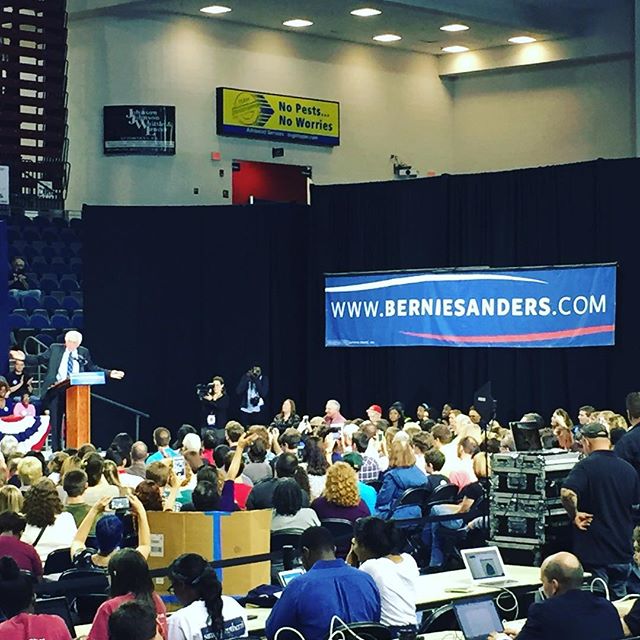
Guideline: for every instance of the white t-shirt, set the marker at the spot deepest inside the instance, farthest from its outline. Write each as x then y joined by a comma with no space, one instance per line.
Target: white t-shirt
316,485
396,582
190,623
301,521
56,536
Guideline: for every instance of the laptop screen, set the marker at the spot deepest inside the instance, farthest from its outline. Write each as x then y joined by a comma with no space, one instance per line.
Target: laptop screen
485,564
477,618
286,577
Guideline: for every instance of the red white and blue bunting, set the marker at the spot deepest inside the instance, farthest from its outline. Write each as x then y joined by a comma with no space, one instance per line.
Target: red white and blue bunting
31,432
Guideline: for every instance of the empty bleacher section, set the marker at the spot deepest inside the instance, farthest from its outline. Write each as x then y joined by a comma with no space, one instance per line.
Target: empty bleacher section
53,304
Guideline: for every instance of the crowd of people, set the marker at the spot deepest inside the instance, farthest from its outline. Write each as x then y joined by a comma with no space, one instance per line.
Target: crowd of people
306,471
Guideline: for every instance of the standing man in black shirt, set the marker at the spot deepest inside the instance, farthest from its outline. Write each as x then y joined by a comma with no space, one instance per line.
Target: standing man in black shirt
628,447
601,495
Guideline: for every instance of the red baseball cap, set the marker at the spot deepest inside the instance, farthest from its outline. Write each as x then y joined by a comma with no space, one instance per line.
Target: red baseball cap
375,407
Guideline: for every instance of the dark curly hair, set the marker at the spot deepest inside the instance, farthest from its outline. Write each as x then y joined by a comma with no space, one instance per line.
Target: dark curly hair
42,504
315,457
287,497
148,492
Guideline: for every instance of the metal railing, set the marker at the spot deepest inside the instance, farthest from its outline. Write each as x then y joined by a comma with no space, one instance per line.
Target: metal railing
138,414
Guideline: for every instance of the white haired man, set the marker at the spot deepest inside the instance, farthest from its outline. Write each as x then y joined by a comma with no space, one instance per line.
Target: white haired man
332,416
62,360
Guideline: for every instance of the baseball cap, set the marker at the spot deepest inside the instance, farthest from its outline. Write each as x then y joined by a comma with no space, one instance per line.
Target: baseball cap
594,430
353,459
375,407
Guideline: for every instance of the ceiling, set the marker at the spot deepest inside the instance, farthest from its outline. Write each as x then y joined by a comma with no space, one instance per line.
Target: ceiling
491,22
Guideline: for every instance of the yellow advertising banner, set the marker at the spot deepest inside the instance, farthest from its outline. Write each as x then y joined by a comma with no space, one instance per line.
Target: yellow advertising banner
275,117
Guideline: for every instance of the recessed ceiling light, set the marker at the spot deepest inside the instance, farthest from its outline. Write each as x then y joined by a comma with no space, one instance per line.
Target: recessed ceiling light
387,37
521,39
297,23
366,12
454,27
215,9
456,48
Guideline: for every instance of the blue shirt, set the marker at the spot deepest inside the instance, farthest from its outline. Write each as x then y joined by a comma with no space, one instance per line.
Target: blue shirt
331,587
158,457
368,494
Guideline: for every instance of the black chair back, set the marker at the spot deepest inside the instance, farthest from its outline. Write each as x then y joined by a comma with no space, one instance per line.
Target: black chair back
444,494
58,561
440,619
363,631
280,540
342,531
415,495
57,606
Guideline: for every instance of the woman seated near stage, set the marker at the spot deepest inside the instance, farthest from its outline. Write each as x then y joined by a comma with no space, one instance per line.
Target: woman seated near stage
288,512
109,535
206,613
341,496
48,526
401,475
287,418
376,550
129,579
17,598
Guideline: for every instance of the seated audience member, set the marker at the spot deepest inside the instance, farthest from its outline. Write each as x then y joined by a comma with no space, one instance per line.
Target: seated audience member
191,442
93,465
205,497
329,588
54,466
258,469
422,416
11,499
442,435
206,613
316,460
433,462
370,469
17,598
285,442
48,526
568,612
129,580
241,490
341,497
367,492
6,405
286,466
24,407
134,621
162,438
396,415
8,446
29,472
376,550
209,442
75,484
421,442
233,431
115,471
287,418
112,475
402,475
288,512
178,444
12,526
109,535
138,455
150,494
12,467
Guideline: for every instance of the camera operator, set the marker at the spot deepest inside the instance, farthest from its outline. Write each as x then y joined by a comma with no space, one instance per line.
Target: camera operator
253,389
215,403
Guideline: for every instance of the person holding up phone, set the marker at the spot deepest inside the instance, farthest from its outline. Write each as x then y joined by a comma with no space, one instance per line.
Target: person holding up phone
109,533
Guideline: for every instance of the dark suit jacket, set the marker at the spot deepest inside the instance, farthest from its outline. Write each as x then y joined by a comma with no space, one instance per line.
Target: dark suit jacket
575,615
52,358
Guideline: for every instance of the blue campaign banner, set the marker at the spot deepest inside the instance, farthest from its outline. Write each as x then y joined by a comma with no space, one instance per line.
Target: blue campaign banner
563,306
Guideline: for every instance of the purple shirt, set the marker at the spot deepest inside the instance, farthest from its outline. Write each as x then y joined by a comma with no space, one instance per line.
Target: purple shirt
24,554
326,509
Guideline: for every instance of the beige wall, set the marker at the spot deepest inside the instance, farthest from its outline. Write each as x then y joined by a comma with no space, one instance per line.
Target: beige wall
392,102
549,114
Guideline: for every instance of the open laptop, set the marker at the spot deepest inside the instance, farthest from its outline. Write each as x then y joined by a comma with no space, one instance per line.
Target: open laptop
477,618
485,567
285,577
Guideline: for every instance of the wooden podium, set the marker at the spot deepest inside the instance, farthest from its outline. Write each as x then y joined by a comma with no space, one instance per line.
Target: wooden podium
77,422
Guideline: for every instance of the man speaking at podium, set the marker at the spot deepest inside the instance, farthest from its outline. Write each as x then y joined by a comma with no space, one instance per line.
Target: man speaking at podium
62,360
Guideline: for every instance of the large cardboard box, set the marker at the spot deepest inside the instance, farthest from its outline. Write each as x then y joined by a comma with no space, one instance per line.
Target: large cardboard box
215,536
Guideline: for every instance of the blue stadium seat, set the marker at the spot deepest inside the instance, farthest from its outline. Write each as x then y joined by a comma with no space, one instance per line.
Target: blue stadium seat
76,247
12,303
38,263
16,321
60,321
50,303
39,322
77,320
31,234
49,252
69,284
30,302
48,283
19,311
70,303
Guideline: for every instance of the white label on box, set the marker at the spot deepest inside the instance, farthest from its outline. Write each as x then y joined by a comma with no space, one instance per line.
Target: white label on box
159,581
4,185
157,545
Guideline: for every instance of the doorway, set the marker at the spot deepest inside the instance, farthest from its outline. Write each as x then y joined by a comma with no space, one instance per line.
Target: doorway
268,182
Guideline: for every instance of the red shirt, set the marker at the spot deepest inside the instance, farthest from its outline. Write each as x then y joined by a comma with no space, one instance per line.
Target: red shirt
29,626
207,455
241,492
24,554
100,627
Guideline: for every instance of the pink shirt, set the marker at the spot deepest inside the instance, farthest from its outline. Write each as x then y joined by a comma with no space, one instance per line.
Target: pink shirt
28,626
100,627
21,410
24,554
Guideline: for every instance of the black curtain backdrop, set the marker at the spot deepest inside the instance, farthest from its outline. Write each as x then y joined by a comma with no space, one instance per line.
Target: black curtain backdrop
175,295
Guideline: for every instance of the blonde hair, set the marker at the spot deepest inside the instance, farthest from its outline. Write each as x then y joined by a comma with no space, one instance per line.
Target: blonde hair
401,454
29,470
110,472
72,463
341,486
618,421
11,499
